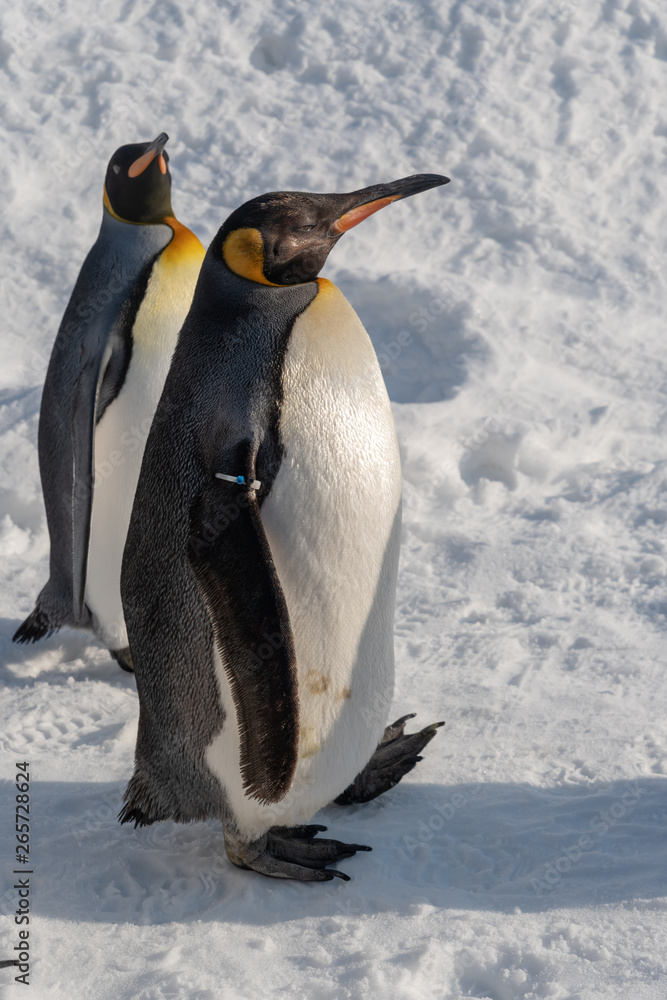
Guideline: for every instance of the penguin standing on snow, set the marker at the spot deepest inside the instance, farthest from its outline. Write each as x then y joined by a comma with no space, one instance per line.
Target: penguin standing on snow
259,575
103,383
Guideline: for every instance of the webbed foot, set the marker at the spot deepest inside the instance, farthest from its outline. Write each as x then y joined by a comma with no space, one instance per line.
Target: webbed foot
395,756
123,658
291,852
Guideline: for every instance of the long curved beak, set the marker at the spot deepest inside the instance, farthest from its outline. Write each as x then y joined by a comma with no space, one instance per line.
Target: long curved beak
154,149
371,199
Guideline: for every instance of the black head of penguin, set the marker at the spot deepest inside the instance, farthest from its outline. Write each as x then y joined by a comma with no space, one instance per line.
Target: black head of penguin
138,183
284,237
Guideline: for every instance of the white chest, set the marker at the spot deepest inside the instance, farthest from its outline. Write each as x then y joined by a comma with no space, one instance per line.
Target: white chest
120,439
332,520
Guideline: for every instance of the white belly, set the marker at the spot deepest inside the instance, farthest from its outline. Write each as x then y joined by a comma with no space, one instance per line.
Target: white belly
333,524
120,439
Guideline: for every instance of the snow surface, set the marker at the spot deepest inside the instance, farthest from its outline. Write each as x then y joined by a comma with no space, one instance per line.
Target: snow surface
517,317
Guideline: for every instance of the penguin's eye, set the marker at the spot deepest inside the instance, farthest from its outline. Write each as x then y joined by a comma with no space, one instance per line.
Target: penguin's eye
304,229
116,168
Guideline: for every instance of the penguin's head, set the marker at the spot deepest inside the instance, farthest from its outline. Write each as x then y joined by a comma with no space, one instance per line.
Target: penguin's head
137,187
284,237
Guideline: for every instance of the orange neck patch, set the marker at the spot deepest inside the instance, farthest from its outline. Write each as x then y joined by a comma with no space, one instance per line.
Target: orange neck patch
243,252
184,247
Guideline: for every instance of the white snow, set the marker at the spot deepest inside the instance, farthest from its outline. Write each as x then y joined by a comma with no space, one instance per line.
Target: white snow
516,314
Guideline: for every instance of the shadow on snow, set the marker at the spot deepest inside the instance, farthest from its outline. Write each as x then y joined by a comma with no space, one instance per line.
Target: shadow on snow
498,847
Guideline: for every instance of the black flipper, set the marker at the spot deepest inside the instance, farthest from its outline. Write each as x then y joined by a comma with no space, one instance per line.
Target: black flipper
189,535
231,559
86,371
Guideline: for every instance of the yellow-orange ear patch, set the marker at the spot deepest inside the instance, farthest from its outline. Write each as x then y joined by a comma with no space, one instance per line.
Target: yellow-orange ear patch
357,215
243,252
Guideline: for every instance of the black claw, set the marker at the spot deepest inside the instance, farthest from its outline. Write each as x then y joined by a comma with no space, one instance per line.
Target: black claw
403,719
395,730
335,874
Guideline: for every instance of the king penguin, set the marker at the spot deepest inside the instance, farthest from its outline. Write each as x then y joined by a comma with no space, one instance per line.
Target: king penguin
107,369
259,575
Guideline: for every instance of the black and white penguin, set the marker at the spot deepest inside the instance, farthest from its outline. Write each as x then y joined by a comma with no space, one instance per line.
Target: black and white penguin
107,369
259,575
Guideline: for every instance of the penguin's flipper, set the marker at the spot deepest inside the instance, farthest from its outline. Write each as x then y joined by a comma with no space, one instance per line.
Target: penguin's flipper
232,563
86,371
292,852
66,435
87,367
396,755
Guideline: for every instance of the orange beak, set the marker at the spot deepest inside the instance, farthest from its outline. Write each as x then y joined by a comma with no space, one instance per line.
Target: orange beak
357,215
155,149
371,199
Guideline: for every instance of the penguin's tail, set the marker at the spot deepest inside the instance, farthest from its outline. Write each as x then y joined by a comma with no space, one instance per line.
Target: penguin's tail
150,798
132,814
37,625
140,806
52,609
6,962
